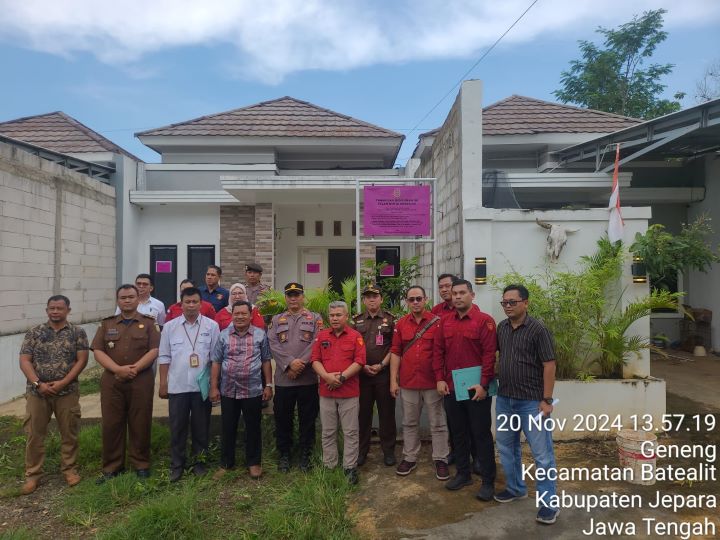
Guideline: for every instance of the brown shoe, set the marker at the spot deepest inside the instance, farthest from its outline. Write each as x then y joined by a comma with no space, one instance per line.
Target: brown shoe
72,478
30,485
442,471
405,468
255,471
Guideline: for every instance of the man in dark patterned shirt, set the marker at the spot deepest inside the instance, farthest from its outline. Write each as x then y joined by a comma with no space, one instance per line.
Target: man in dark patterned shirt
51,357
527,378
240,359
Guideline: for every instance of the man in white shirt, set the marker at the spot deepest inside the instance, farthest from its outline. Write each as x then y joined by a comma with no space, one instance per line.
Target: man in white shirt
150,306
186,345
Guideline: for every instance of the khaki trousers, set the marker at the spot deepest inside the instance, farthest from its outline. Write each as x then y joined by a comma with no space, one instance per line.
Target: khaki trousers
38,411
413,401
347,409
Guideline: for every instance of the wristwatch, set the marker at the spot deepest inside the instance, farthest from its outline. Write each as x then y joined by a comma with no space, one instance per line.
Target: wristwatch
36,384
548,400
269,385
342,378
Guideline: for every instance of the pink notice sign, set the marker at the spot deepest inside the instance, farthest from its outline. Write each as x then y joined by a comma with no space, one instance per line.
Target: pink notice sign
163,267
396,211
312,268
388,271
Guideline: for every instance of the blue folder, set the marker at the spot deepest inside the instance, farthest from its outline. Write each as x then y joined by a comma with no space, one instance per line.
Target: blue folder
465,378
203,381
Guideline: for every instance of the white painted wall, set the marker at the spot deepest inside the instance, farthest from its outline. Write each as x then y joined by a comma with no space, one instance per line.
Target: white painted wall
590,400
128,219
704,288
12,382
510,239
288,244
173,225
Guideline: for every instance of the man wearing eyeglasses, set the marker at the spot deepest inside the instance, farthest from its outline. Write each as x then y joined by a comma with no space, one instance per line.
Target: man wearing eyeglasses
411,376
468,340
527,378
148,305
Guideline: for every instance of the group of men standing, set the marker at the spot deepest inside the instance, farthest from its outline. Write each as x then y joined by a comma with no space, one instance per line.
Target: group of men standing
338,373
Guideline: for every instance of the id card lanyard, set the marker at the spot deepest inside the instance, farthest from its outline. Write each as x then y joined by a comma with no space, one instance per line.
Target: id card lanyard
194,357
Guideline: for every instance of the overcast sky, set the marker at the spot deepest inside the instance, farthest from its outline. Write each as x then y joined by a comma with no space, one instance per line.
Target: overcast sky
127,65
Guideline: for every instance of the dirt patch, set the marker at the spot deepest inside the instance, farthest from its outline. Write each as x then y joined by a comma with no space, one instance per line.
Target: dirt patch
418,506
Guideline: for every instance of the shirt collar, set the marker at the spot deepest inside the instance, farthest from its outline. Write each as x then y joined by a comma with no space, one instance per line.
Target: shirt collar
380,315
524,323
471,313
344,331
66,325
135,317
234,330
198,321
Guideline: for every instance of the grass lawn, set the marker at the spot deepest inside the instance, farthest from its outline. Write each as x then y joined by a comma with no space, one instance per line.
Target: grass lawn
89,380
294,505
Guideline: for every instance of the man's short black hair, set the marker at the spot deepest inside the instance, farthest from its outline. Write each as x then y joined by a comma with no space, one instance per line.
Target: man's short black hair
521,289
416,287
146,276
187,280
59,298
216,267
190,291
126,286
453,277
242,303
459,281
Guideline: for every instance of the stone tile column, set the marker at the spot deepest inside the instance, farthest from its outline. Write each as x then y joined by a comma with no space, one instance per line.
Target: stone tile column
265,240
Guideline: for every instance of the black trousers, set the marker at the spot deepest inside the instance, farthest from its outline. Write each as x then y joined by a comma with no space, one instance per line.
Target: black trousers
251,411
308,405
188,409
377,390
470,421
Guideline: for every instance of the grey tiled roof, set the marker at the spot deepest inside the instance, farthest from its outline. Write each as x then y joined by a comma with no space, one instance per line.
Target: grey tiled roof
283,117
61,133
520,115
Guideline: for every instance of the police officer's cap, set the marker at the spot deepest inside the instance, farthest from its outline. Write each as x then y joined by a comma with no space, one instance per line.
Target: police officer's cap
371,289
253,267
294,287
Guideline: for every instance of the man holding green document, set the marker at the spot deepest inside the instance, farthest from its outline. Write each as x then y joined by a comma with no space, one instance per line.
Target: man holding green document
464,366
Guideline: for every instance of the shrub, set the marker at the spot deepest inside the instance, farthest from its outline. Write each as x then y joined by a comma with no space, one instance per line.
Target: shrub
582,310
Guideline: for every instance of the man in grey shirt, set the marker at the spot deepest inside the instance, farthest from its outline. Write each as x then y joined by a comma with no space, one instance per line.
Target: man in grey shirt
291,336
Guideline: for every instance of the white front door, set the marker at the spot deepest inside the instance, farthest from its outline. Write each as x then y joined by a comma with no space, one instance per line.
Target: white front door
313,270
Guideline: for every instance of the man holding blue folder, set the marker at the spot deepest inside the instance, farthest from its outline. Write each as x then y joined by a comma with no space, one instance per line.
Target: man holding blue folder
465,340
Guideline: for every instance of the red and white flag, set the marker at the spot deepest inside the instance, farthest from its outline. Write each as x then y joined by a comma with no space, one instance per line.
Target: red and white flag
616,225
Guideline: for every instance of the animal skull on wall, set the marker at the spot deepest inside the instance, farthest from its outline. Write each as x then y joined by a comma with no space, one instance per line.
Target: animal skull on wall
556,238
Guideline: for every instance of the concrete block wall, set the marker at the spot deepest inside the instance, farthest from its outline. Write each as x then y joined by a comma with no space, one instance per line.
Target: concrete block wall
57,236
444,163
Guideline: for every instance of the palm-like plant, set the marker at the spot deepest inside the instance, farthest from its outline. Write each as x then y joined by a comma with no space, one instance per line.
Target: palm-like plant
612,345
581,310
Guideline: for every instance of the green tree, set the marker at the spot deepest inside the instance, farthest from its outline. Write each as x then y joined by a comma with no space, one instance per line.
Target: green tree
613,77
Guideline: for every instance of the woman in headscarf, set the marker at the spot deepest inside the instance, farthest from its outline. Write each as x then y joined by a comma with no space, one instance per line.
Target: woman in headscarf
237,294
